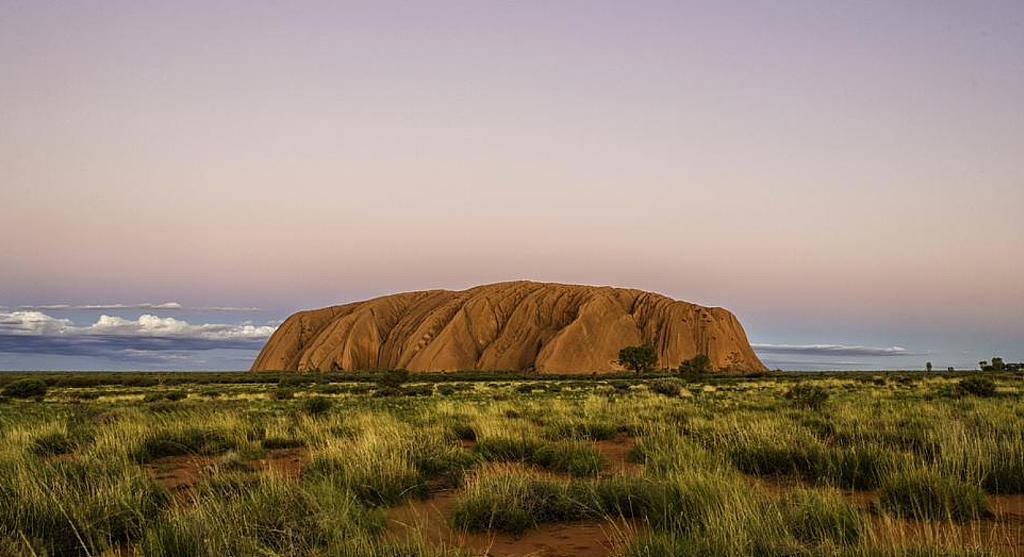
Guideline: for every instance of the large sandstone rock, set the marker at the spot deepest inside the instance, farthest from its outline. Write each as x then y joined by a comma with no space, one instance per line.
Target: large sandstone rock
553,328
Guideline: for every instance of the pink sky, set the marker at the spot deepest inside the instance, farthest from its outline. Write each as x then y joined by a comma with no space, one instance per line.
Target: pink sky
831,171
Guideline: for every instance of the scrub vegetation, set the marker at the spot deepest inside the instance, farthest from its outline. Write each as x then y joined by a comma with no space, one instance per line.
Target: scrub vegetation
170,465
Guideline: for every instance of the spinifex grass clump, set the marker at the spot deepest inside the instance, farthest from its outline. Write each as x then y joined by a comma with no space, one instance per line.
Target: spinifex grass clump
1006,475
239,515
76,507
53,444
183,441
925,494
513,503
822,517
389,460
577,458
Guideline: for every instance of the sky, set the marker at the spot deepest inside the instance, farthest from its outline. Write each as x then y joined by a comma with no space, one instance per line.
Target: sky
178,177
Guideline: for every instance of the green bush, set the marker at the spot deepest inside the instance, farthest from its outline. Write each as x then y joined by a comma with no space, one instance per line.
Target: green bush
804,395
25,388
668,388
282,443
317,406
283,393
1005,475
976,386
168,396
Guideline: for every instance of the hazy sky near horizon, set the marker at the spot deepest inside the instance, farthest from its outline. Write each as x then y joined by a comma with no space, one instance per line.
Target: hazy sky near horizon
836,173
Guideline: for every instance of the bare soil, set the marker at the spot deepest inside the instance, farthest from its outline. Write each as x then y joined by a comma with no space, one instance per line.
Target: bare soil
178,474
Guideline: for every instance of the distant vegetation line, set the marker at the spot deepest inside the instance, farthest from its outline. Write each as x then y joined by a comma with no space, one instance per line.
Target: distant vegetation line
154,378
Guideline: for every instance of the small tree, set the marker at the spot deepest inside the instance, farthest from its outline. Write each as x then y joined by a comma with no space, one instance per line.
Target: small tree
998,364
638,358
928,367
700,363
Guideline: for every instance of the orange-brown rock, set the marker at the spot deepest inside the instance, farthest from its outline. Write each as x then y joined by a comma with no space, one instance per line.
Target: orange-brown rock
554,328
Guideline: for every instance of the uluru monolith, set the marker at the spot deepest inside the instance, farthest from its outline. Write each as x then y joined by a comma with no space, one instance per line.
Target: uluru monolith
510,326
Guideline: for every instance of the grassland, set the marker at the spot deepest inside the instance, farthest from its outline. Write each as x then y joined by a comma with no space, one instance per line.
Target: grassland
169,465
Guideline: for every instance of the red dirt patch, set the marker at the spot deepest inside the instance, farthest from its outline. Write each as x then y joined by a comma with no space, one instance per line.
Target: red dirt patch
616,452
429,520
287,463
178,474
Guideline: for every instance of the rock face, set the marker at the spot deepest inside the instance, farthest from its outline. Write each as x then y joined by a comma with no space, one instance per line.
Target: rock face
554,328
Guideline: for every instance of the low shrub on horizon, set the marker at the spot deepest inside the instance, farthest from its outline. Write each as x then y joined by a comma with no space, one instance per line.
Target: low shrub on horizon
25,388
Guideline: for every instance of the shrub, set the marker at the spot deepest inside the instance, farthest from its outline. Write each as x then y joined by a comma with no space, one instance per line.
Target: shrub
808,396
425,389
25,388
976,386
388,391
667,388
925,494
393,378
1006,475
282,393
700,363
317,406
168,396
281,443
464,431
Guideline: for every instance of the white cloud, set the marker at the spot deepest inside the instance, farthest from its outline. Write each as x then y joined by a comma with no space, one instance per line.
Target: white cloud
32,323
40,324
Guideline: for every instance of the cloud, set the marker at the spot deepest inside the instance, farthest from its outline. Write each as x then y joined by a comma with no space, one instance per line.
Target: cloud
153,326
34,332
832,350
32,323
147,305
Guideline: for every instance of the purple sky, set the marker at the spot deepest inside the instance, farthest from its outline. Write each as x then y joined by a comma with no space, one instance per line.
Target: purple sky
836,173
